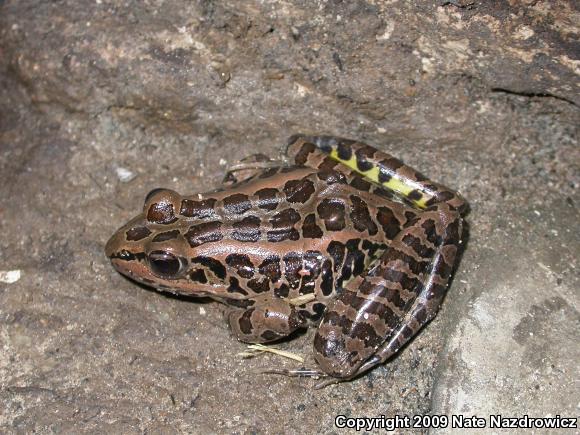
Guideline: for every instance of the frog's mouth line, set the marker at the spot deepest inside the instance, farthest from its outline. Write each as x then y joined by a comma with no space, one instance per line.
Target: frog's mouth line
134,267
125,255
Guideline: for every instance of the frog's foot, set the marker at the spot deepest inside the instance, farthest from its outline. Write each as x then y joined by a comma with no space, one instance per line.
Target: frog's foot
248,168
307,373
328,382
297,373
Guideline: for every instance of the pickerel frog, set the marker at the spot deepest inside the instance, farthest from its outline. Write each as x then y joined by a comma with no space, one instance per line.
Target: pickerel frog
341,236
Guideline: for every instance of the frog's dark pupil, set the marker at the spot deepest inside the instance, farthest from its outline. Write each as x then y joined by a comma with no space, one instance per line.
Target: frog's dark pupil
164,264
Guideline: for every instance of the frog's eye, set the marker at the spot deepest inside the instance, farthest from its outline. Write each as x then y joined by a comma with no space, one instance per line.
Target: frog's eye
165,264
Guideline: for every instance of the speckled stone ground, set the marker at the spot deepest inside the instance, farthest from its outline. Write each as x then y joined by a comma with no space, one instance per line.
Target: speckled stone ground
102,101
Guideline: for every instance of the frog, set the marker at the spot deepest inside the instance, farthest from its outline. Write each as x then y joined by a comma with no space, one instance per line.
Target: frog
337,235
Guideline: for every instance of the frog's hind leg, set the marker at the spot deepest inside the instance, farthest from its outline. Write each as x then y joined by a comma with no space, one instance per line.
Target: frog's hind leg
379,312
248,168
269,319
378,167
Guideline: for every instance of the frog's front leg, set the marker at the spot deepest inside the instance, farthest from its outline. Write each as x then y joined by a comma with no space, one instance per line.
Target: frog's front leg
248,168
269,319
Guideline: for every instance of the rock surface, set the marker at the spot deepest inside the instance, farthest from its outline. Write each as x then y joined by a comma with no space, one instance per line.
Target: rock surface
102,101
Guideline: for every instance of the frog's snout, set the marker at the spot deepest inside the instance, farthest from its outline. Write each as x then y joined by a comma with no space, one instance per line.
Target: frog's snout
109,247
113,244
125,248
130,237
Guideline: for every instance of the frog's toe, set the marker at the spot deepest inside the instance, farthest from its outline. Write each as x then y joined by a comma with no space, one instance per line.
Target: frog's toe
300,373
307,373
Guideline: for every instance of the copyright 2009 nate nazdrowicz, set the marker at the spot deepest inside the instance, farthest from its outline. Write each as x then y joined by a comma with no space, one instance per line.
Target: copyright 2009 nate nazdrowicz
454,421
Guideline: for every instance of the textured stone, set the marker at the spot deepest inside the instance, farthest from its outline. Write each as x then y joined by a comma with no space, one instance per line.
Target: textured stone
483,97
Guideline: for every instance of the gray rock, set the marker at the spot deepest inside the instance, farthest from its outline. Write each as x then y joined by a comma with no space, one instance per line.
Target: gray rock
482,97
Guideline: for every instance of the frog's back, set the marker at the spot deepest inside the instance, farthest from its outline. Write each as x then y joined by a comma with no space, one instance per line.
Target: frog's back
293,231
293,203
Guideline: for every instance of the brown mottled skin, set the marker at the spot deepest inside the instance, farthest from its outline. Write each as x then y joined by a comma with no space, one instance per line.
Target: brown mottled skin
325,223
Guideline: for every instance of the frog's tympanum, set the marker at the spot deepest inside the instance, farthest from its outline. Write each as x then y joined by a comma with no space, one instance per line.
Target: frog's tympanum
341,236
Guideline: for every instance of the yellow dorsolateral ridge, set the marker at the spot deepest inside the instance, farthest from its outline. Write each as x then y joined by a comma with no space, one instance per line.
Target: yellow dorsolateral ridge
395,184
